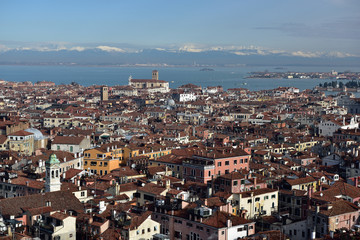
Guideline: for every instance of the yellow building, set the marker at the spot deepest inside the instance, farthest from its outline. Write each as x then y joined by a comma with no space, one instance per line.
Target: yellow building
102,160
301,146
301,183
152,152
22,142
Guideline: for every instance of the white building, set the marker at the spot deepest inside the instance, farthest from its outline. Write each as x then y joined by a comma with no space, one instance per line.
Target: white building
258,202
70,144
327,128
184,97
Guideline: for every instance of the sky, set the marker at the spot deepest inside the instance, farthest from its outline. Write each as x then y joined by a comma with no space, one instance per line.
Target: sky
305,26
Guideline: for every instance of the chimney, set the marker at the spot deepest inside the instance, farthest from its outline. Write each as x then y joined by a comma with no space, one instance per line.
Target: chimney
64,159
255,182
356,181
167,184
229,223
310,191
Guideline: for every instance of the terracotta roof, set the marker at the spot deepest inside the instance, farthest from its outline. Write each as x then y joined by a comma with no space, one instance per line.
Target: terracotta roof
3,139
219,220
60,200
72,172
21,133
233,175
67,140
148,80
152,188
138,219
298,181
338,207
23,181
256,192
59,216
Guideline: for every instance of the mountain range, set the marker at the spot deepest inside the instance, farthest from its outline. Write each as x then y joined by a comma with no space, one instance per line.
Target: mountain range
105,55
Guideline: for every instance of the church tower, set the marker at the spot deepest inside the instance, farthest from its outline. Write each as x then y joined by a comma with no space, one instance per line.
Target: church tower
52,179
104,93
155,75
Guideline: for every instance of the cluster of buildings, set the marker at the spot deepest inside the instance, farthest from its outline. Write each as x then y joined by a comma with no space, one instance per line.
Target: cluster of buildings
144,161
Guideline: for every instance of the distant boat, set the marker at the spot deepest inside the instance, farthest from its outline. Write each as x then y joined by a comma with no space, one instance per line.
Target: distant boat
207,69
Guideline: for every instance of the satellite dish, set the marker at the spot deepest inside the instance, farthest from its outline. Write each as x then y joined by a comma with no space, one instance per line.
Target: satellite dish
133,165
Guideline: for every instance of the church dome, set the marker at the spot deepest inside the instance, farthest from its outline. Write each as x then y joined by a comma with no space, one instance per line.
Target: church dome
171,102
52,160
37,134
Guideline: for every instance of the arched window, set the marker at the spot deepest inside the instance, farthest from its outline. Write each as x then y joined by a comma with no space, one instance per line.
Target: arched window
52,174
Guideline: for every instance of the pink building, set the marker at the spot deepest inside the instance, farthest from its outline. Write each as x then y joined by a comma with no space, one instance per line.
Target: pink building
203,165
200,222
332,216
237,182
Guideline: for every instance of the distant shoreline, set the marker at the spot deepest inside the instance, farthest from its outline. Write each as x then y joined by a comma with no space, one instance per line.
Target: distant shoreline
277,67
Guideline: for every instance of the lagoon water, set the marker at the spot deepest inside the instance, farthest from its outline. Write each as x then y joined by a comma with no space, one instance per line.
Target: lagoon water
226,77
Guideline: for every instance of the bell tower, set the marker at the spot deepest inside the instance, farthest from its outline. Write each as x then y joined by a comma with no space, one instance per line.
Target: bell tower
155,75
104,93
52,179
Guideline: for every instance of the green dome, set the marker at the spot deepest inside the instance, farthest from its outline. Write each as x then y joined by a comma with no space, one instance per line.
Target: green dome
52,160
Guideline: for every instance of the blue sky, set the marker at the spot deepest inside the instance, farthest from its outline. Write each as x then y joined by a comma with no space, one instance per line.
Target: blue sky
284,25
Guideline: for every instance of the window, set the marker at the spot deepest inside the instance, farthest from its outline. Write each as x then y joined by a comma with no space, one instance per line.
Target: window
227,163
249,201
257,199
219,164
235,183
149,230
273,196
266,197
235,162
143,231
